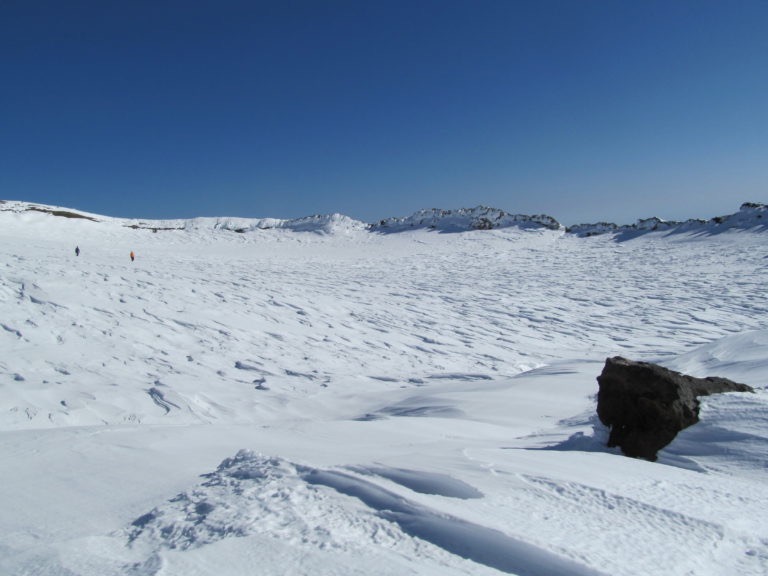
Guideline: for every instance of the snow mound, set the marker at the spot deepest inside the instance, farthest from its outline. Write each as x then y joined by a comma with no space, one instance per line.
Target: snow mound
740,357
251,494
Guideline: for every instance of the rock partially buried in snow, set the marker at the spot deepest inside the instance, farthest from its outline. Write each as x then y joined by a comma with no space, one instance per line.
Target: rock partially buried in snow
646,405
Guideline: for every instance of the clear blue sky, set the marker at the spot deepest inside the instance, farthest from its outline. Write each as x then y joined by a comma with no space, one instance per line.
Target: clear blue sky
585,110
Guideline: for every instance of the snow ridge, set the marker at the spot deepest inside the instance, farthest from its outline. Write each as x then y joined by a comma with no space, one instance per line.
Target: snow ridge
479,218
750,215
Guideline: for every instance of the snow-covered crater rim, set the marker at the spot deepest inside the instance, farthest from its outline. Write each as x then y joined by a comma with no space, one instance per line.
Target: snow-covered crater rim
751,215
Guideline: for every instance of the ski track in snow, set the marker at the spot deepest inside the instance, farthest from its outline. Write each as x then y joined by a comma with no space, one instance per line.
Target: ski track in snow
427,401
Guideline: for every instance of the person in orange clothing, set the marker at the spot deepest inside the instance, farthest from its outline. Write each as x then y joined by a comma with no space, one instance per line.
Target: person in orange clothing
132,255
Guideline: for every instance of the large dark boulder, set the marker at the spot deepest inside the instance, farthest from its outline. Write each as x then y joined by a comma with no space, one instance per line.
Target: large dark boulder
646,405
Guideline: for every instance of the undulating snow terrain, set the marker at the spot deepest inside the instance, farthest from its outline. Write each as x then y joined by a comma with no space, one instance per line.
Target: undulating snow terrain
317,397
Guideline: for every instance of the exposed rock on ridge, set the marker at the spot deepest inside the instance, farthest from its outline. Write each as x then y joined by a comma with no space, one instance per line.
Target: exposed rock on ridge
479,218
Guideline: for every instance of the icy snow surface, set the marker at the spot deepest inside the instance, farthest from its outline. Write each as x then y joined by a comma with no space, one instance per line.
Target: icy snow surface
322,399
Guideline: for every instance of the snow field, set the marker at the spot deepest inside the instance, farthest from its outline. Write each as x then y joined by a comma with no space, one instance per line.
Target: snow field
347,402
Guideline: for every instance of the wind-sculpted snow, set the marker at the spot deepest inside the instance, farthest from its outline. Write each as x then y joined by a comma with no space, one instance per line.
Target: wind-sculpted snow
298,313
475,542
411,403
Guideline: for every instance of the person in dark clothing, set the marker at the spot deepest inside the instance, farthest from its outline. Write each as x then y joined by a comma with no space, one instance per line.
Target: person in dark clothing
77,250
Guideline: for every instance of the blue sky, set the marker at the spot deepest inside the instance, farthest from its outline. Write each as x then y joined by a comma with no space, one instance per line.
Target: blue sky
585,110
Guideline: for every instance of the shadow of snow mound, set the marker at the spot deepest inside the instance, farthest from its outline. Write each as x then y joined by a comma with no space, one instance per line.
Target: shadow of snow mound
433,410
424,482
416,407
471,541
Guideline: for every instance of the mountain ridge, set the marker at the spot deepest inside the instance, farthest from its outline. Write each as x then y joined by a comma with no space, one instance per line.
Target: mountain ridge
750,215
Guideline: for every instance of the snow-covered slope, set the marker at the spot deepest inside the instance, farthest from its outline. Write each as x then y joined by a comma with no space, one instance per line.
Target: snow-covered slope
331,223
281,401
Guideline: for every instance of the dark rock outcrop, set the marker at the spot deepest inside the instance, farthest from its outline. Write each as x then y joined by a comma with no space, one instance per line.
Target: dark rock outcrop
646,405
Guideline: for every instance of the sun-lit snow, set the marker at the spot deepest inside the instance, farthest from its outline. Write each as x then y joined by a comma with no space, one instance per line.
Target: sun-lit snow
316,397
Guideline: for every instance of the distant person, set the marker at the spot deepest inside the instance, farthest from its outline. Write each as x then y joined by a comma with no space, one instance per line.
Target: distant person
132,256
77,250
